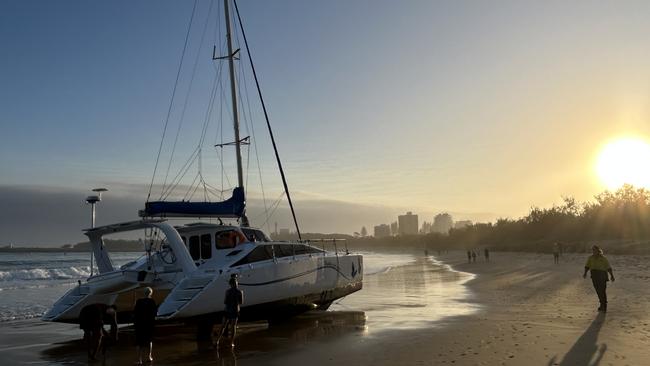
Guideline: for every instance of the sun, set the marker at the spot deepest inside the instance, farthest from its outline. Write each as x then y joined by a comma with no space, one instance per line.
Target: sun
625,160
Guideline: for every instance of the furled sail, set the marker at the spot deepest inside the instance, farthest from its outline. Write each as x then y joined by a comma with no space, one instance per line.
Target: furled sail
233,207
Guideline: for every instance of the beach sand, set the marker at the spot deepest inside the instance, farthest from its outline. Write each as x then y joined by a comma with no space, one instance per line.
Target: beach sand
519,309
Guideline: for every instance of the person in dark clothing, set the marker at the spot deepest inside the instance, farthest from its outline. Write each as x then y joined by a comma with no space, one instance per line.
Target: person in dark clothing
469,257
486,252
232,300
599,267
91,321
145,318
556,253
109,337
473,256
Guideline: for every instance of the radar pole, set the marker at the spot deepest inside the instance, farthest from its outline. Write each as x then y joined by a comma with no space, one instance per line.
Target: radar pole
92,201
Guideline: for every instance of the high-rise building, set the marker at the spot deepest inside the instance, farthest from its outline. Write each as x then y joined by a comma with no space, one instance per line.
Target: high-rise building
426,228
408,224
393,228
382,231
442,223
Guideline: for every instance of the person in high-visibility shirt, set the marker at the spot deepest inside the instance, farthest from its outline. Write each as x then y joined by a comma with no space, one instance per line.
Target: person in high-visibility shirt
599,267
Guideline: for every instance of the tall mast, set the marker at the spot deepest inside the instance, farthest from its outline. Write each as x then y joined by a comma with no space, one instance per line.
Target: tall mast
233,92
235,113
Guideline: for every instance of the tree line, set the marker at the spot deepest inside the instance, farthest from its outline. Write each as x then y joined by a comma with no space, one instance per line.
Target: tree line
618,220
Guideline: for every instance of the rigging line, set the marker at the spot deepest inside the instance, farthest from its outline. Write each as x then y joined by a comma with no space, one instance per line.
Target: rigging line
171,102
255,148
205,124
187,96
274,203
268,123
208,112
273,209
220,156
190,187
193,192
180,175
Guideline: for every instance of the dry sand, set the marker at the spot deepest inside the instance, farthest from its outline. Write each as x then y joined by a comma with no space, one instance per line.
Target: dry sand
526,311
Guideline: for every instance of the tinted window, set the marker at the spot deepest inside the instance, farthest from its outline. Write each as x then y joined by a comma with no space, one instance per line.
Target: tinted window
255,235
283,250
195,248
206,246
258,254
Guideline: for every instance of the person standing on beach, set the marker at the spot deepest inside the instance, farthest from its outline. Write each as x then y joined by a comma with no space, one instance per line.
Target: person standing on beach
599,267
145,319
486,252
109,338
91,321
233,300
474,256
469,257
556,253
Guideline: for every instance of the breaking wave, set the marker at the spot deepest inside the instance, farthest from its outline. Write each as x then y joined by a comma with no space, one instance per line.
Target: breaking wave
45,274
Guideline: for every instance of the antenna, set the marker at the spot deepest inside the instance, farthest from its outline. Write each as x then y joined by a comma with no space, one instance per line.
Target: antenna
92,201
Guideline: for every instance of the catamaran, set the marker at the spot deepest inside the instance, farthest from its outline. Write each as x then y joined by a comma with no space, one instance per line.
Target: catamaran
189,265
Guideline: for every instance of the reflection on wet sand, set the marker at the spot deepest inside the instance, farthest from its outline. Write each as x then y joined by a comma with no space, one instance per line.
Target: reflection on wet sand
411,296
178,345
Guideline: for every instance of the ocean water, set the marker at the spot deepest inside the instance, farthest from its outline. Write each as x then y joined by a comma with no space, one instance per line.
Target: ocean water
30,283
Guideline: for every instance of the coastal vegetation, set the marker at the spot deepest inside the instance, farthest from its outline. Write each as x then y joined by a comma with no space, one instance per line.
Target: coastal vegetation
618,220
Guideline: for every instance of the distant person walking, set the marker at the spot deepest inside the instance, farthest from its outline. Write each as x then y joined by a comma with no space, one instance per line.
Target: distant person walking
145,319
556,253
599,267
469,256
233,300
473,256
486,252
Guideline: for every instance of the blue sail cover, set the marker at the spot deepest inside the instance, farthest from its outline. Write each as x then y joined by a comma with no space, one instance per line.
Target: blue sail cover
232,207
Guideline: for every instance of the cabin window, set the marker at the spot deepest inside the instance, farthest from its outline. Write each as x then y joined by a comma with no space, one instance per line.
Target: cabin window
206,246
228,239
258,254
283,250
195,247
224,240
255,235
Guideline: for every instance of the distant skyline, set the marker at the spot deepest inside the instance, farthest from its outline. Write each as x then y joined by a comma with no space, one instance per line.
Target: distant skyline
478,108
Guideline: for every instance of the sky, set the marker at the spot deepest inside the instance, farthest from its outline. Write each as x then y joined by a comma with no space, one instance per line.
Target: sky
482,109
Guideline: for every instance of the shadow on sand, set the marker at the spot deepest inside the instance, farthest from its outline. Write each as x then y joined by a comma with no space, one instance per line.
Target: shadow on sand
177,345
585,349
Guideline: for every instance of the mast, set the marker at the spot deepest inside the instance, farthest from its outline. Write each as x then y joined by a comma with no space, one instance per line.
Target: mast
233,93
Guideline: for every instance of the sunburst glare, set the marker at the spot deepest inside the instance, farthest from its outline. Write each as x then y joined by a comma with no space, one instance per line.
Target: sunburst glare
625,160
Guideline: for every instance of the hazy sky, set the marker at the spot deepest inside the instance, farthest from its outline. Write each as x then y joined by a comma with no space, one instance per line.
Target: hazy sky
477,107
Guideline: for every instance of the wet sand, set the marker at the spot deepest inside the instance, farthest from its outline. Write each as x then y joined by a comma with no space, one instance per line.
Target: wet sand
518,309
